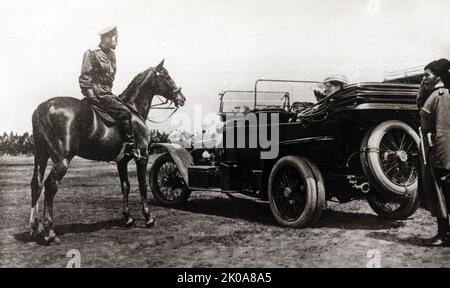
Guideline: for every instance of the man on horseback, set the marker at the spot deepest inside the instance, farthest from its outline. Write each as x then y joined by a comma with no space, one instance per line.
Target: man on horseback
96,80
65,127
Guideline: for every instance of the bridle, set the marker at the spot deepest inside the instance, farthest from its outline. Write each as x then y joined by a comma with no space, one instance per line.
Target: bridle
158,106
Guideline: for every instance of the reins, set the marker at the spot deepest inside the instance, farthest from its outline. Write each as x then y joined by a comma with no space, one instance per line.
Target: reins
148,118
171,114
156,106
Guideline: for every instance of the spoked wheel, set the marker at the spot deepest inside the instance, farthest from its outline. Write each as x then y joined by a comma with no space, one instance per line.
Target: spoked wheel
391,161
293,192
167,183
289,194
399,157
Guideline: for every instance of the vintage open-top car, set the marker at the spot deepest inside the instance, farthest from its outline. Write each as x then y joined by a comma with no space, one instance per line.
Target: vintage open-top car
359,142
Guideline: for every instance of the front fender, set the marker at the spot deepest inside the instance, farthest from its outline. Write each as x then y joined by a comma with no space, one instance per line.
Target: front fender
180,156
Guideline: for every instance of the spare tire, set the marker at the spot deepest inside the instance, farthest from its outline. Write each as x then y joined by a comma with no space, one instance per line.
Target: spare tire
390,157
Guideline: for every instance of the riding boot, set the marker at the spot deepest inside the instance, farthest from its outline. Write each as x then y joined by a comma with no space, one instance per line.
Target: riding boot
442,239
128,138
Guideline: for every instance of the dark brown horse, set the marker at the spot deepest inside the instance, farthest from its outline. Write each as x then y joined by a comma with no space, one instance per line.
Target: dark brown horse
65,127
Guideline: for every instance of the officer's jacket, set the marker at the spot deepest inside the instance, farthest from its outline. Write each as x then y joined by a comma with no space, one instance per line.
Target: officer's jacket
435,120
98,71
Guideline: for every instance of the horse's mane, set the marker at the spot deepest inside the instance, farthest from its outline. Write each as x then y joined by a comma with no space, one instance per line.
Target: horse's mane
134,86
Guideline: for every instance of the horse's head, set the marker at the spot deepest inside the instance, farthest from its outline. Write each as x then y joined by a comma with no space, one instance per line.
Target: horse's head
164,85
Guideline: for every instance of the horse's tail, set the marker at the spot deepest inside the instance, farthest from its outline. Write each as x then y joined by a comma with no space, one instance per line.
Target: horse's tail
42,132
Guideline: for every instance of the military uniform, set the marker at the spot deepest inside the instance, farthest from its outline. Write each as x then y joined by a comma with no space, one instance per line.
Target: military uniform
97,75
435,120
434,181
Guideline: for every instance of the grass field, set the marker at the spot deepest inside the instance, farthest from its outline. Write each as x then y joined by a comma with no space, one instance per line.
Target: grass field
209,231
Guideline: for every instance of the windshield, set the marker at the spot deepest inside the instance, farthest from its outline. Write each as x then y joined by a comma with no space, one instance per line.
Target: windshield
235,101
270,93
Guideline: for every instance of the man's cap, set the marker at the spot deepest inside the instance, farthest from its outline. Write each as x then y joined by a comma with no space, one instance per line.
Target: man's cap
337,78
111,30
439,67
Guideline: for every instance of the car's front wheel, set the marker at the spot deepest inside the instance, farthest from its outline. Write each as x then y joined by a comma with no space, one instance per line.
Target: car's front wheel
294,192
167,183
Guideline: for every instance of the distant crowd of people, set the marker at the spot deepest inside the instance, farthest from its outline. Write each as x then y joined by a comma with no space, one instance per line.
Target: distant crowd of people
22,144
15,144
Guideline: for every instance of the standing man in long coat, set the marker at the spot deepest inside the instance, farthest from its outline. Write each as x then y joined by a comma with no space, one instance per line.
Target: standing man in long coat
435,141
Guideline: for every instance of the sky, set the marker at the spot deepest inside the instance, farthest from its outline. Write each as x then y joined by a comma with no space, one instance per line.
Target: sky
210,45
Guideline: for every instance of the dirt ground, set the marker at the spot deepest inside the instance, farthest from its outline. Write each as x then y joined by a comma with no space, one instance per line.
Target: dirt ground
210,231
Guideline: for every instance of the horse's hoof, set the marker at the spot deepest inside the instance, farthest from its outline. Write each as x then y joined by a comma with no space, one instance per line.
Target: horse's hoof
129,222
56,240
51,238
52,241
150,223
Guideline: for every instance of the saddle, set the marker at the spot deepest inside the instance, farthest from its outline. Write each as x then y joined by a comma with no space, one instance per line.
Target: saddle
103,115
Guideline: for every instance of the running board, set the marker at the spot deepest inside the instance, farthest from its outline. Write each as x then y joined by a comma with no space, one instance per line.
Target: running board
235,193
245,197
212,190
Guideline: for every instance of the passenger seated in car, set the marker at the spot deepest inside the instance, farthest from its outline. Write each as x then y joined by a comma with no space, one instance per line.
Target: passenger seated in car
333,83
